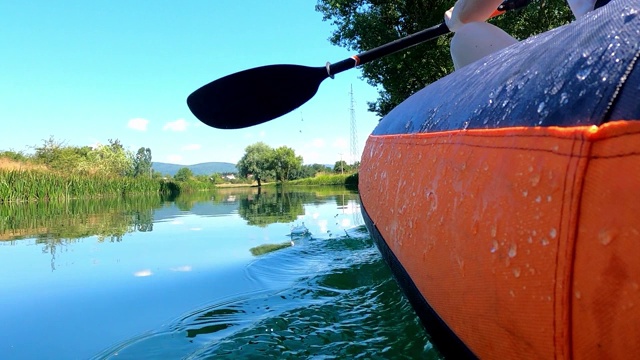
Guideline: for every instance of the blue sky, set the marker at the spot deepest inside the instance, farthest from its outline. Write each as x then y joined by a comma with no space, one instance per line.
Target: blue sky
88,71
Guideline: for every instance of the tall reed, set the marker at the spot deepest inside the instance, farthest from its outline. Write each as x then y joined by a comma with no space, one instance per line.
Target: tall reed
37,185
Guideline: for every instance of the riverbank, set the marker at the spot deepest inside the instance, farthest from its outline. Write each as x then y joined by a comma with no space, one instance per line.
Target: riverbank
348,180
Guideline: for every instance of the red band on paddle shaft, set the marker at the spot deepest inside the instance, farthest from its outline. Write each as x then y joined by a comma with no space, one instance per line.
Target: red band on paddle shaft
496,13
356,59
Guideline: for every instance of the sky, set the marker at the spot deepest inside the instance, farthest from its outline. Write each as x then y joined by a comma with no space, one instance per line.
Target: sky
85,72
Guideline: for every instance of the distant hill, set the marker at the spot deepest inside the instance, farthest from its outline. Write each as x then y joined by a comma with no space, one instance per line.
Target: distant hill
197,169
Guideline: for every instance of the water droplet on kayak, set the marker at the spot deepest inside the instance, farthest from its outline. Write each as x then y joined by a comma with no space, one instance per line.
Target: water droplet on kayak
516,272
606,236
553,233
535,179
494,230
513,250
582,74
578,295
495,246
564,98
538,199
542,109
629,14
544,241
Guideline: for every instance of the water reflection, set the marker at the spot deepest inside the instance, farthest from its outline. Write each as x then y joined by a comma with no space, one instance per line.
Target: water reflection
55,225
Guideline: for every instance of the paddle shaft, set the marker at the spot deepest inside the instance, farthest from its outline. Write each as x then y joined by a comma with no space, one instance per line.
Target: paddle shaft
409,41
257,95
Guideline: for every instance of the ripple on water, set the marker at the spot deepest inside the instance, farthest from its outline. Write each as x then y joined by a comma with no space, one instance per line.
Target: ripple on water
330,298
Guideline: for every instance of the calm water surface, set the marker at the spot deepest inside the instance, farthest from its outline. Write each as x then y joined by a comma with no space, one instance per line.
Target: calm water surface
152,279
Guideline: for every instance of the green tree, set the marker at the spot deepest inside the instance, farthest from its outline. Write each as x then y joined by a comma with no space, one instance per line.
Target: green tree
285,163
110,159
341,167
14,155
142,162
184,174
365,24
256,162
58,156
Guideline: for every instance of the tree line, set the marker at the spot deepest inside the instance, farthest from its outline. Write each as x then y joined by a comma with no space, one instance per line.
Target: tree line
362,25
111,159
263,163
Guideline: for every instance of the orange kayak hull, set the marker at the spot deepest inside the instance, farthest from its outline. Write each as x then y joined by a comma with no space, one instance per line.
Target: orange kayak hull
524,241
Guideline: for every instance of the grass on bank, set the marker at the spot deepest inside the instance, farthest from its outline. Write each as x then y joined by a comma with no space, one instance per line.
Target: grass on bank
328,179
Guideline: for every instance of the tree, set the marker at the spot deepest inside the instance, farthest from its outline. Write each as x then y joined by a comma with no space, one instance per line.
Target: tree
184,174
56,155
285,163
365,24
341,166
110,159
256,162
142,162
309,171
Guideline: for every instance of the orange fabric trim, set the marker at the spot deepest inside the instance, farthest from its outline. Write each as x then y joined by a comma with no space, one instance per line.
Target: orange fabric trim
524,240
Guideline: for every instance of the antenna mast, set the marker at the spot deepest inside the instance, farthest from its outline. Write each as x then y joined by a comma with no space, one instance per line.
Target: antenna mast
354,131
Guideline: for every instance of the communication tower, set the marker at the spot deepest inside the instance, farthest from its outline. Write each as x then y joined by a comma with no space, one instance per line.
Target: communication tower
354,131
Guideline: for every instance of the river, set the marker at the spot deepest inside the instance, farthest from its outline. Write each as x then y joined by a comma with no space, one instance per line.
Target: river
160,279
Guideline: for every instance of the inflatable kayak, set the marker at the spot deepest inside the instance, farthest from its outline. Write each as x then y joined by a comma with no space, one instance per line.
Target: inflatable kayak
506,196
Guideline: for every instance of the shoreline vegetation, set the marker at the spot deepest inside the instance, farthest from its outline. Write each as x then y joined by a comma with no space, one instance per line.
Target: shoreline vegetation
58,172
23,183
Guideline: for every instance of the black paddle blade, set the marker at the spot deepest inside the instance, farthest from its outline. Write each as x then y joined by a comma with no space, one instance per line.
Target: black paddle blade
254,96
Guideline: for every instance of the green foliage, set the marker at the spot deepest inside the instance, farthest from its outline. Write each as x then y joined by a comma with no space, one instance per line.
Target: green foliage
142,162
309,171
341,167
14,155
262,162
59,157
184,174
323,179
352,181
365,24
285,163
110,160
256,162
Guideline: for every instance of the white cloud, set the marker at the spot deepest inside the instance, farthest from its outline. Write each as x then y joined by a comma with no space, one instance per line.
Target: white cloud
184,268
192,147
178,125
139,124
143,273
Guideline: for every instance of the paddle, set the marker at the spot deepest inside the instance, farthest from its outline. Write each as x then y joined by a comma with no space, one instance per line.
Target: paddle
257,95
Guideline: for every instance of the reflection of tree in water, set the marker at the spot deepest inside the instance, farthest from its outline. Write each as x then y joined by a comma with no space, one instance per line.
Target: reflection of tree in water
273,206
57,224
